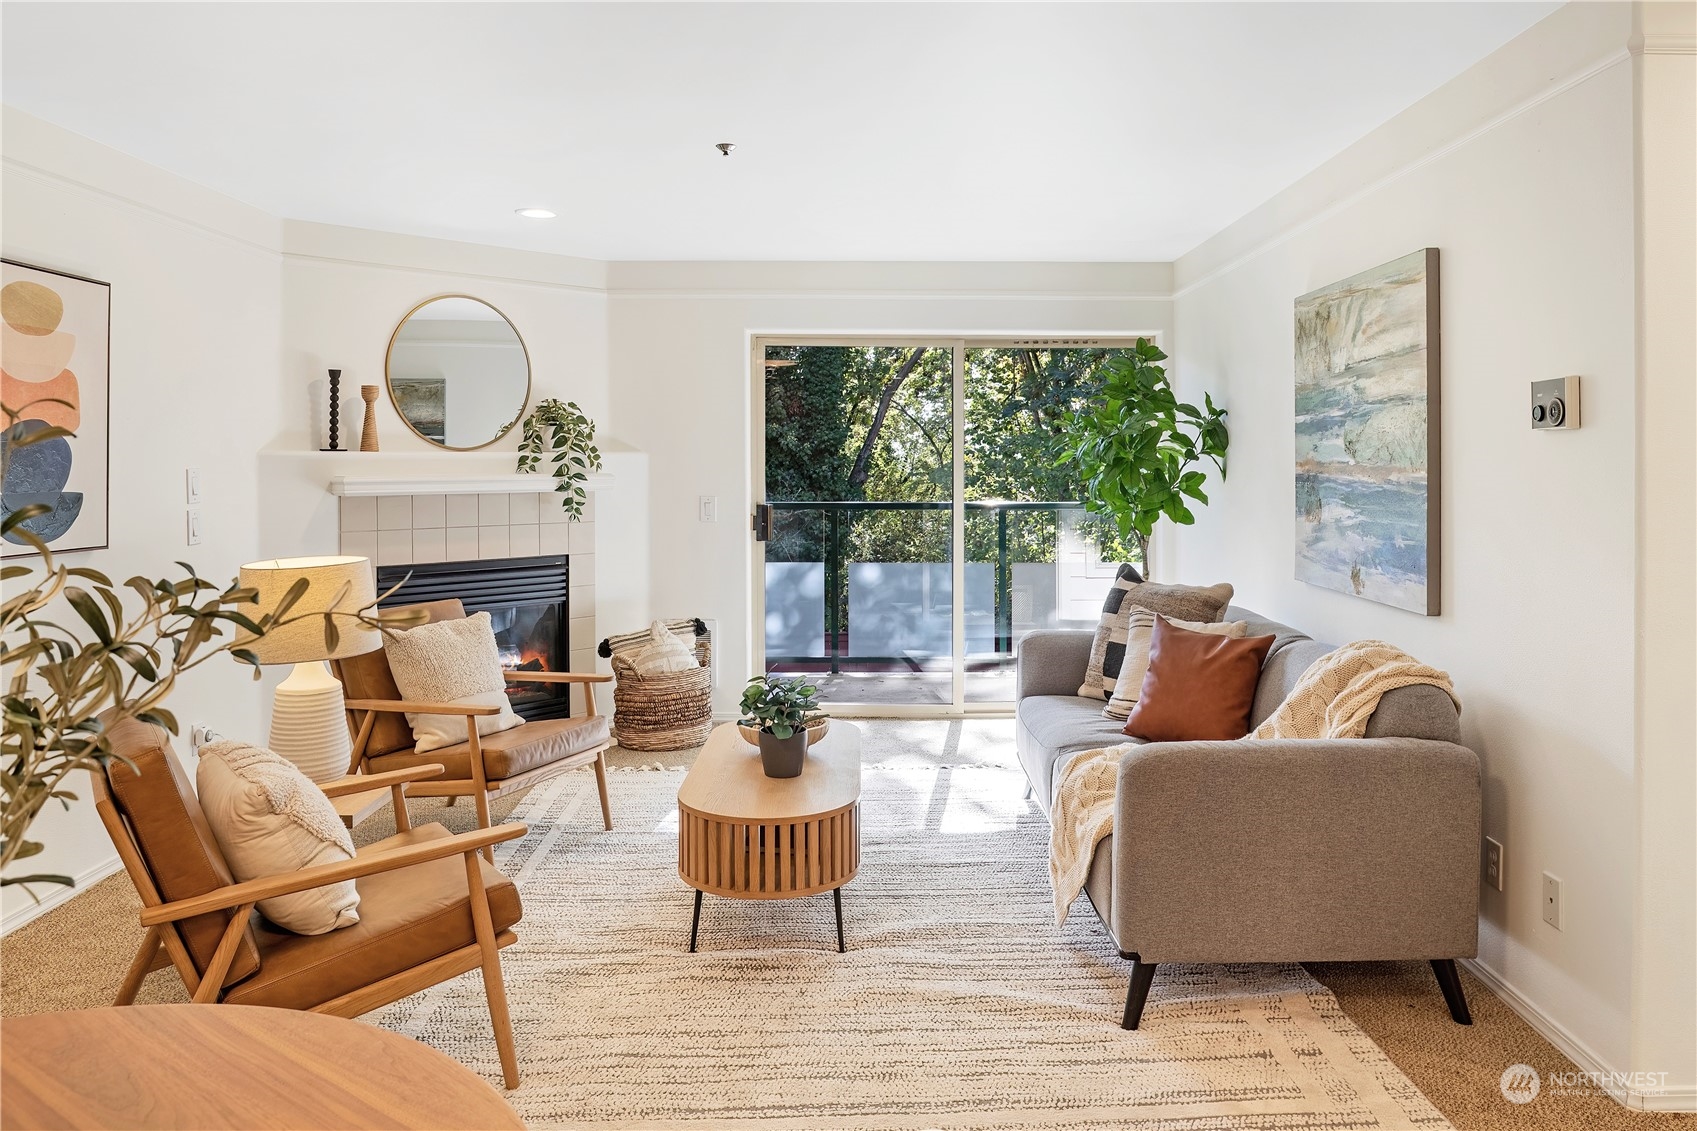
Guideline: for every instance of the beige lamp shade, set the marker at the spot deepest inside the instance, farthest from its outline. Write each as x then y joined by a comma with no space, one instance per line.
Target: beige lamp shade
338,584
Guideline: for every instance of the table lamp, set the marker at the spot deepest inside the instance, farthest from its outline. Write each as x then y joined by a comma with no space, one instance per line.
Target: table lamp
308,723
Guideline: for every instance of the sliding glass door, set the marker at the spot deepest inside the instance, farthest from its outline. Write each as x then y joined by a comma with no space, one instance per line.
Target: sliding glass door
913,522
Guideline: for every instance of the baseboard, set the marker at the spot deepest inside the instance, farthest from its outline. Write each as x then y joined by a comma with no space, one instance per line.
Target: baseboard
58,895
1678,1098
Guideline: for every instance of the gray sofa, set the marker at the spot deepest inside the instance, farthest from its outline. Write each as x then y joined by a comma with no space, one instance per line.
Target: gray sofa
1271,851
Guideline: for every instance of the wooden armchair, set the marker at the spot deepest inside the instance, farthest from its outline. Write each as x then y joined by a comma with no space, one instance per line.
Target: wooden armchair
483,767
429,908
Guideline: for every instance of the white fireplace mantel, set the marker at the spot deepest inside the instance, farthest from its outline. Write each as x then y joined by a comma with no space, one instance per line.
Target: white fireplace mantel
539,484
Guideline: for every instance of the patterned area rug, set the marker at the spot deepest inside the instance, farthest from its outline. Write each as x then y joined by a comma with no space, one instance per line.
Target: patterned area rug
959,1004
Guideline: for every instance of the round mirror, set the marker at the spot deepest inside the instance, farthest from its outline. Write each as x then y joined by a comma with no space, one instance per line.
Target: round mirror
458,372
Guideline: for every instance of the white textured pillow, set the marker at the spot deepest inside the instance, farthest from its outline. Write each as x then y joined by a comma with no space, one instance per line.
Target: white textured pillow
1140,631
665,651
269,818
450,661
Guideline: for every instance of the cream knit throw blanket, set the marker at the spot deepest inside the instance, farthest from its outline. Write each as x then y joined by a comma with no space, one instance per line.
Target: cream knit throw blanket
1334,699
1340,691
1083,815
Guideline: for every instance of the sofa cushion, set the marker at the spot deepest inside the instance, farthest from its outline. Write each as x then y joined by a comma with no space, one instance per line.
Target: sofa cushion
407,917
509,753
1282,634
1107,650
1198,687
1279,674
1417,711
1420,711
1051,728
1140,634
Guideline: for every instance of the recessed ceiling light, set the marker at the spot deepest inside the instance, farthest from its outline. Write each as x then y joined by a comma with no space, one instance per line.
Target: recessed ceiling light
535,213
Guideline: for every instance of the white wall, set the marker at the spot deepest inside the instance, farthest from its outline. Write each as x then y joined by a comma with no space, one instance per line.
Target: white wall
1664,1029
1521,173
344,291
679,342
195,343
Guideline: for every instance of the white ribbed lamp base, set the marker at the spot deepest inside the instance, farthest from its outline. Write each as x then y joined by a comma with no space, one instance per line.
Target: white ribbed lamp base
308,724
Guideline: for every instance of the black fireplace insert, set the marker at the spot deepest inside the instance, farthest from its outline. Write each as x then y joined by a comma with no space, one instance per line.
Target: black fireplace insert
526,598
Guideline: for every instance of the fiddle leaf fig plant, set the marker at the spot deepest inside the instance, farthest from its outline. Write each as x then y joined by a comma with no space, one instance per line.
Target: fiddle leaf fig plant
779,705
1136,446
561,430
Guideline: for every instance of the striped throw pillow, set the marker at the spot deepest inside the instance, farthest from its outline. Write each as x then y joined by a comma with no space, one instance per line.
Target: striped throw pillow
1140,632
1183,602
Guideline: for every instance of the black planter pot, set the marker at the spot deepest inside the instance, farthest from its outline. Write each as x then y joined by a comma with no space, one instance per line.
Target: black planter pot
782,757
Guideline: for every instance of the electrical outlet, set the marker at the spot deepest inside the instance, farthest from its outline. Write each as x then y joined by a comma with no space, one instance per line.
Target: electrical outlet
199,735
194,528
1552,900
1493,863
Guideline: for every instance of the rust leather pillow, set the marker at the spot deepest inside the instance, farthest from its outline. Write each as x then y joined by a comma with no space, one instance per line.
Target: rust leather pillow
1199,686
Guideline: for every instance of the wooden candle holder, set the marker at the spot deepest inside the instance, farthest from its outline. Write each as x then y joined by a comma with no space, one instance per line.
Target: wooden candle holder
368,435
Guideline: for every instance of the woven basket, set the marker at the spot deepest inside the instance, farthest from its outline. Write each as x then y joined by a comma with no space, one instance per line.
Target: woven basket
668,710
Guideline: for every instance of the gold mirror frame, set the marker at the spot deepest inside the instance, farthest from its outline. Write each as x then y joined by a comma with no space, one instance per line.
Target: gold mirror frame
388,379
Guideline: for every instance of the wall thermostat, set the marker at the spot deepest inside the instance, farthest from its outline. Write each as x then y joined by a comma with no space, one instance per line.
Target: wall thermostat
1555,403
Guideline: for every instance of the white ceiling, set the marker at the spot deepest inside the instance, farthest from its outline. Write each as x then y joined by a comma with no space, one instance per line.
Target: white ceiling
863,131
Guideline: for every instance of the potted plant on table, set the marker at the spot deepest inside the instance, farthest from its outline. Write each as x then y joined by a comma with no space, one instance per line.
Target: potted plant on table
782,709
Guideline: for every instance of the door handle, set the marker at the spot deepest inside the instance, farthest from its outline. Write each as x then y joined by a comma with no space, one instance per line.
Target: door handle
762,521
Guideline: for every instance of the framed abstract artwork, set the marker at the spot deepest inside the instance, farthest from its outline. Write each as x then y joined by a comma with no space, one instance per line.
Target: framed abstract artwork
1367,486
55,333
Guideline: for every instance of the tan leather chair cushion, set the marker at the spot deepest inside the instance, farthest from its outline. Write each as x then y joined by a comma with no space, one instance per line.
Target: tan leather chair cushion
176,843
509,753
406,917
368,677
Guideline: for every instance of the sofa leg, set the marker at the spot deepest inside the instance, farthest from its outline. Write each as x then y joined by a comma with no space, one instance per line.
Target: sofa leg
1142,974
1449,979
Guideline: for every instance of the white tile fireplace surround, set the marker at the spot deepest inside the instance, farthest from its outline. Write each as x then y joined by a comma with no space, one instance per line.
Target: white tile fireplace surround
398,530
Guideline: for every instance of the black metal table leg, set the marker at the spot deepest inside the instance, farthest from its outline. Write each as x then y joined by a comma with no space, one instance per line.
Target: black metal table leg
695,923
837,898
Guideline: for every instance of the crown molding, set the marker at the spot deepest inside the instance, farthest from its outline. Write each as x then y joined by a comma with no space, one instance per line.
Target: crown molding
1663,43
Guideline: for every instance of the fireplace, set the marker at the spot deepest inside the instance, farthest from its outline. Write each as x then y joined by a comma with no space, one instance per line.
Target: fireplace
525,597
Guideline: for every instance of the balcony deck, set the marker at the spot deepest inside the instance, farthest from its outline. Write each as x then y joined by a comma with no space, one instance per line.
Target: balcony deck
905,687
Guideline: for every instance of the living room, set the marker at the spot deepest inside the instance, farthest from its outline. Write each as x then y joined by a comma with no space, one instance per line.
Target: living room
239,200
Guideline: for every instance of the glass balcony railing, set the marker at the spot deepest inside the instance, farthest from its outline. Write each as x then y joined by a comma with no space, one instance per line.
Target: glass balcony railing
868,588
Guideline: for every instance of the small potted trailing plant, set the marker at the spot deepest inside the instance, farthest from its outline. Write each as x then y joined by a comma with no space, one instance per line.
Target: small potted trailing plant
781,708
563,429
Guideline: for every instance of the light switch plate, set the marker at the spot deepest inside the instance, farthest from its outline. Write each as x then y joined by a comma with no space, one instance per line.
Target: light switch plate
1555,404
191,485
709,508
194,528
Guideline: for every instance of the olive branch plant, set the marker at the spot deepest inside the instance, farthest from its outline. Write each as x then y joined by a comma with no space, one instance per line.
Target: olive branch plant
119,653
562,429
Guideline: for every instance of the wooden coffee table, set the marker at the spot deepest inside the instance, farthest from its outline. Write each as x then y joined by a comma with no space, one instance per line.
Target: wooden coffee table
743,835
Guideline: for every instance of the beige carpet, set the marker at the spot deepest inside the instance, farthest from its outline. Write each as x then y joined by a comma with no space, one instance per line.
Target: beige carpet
959,1004
74,957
